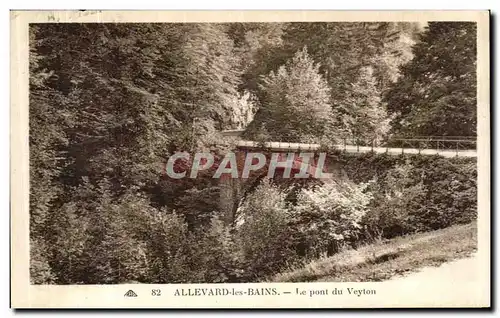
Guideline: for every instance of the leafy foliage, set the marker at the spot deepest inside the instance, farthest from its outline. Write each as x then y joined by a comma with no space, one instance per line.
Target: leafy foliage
328,217
399,202
217,255
436,93
263,233
40,270
295,102
109,103
366,117
415,193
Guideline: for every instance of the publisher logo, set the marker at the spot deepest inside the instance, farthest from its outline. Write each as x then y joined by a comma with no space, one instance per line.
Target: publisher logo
130,293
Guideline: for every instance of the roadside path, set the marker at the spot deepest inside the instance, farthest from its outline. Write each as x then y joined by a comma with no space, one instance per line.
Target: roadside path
465,269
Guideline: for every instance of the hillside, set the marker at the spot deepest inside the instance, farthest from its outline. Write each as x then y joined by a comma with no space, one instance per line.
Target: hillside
386,259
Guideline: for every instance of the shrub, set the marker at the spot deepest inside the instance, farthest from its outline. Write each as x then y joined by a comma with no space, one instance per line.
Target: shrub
92,239
328,216
397,198
168,248
215,254
95,236
451,186
198,206
40,271
101,239
262,232
367,166
429,194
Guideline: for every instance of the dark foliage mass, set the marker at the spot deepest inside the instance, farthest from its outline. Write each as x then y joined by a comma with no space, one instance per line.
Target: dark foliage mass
109,103
436,94
415,193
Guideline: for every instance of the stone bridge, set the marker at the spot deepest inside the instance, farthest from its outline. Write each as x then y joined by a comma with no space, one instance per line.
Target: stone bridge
232,189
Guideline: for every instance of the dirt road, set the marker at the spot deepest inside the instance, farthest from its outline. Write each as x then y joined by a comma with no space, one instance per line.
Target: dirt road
465,269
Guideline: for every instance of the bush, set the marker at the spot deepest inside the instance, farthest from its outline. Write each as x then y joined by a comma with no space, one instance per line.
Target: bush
168,245
40,271
328,216
429,194
397,197
262,232
216,255
100,239
96,237
451,186
198,206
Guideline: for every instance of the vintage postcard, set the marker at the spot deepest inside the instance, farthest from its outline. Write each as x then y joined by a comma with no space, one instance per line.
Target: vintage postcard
250,159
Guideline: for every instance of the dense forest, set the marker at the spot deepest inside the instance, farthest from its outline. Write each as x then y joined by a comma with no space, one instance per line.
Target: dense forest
109,103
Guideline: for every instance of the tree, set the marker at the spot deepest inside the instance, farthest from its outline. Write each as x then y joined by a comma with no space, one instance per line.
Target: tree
436,94
47,123
262,231
295,102
397,40
345,51
108,102
259,46
365,116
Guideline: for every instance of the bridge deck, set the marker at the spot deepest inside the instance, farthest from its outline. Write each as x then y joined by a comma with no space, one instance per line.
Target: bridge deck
282,146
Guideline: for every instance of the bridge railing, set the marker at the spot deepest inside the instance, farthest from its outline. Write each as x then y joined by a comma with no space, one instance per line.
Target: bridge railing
410,144
418,142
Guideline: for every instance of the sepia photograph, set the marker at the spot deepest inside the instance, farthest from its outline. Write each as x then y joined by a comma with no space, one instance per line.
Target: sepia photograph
253,152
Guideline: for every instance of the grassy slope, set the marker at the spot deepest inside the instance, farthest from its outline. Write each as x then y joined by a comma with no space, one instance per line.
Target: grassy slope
382,260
